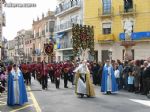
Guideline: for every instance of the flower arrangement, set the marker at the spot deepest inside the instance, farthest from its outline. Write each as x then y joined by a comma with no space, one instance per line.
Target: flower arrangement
48,48
83,38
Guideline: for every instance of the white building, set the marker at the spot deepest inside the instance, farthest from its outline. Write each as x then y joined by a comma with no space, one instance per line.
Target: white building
67,13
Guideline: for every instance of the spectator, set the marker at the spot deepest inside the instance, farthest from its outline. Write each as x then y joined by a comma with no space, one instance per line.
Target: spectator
130,82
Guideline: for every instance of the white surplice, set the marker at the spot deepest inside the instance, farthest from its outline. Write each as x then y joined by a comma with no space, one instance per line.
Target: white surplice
16,87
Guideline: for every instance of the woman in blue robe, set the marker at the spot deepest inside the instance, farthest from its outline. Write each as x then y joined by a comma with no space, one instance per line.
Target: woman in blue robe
17,94
108,83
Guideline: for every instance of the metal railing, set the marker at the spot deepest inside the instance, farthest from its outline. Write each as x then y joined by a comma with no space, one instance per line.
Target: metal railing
102,12
125,10
67,25
66,6
65,44
105,38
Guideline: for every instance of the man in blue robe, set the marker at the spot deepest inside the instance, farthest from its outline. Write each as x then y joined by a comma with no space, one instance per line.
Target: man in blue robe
108,83
17,94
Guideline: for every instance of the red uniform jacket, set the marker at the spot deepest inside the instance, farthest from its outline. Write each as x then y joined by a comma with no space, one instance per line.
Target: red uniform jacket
57,73
44,69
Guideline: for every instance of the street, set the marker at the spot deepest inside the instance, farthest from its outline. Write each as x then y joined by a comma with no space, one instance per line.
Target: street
64,100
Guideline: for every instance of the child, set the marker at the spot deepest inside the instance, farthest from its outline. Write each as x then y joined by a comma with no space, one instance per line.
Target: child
117,76
130,82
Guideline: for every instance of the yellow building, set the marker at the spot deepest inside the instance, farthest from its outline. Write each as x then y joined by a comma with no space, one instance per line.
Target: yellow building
109,18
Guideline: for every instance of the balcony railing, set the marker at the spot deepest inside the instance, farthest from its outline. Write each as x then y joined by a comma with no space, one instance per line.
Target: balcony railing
65,8
127,11
66,44
105,13
67,25
106,38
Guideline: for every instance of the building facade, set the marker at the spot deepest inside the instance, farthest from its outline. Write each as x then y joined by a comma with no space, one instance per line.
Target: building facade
67,12
2,24
42,33
22,51
11,50
109,18
27,46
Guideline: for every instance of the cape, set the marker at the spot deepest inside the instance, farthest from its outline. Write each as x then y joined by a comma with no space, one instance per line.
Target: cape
10,94
89,85
104,80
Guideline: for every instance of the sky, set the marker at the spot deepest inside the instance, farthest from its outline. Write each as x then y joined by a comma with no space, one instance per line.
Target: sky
22,18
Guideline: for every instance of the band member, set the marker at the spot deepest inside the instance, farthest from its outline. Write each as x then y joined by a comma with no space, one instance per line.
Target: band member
38,72
44,73
57,76
51,72
33,67
83,83
65,73
16,89
28,74
24,71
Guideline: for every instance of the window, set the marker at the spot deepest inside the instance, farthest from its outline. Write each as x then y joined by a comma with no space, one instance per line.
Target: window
51,26
106,28
39,31
46,26
74,19
128,5
106,6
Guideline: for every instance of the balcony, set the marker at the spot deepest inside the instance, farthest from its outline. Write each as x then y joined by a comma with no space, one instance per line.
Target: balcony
3,19
36,52
66,8
66,26
109,38
105,14
64,45
131,11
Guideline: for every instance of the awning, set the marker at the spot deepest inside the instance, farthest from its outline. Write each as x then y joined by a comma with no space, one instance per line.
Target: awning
136,35
60,35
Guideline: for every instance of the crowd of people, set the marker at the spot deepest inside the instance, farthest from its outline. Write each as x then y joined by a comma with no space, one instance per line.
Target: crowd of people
2,78
133,76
